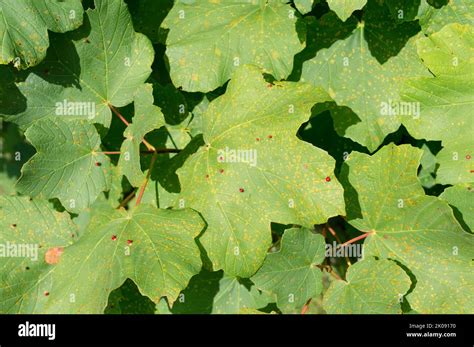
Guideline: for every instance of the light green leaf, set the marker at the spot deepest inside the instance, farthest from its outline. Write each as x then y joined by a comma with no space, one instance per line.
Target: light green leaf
24,26
68,164
276,178
154,248
7,184
428,168
147,117
446,101
354,78
371,286
292,273
36,227
418,231
88,69
304,6
213,292
455,11
235,297
208,40
460,196
344,8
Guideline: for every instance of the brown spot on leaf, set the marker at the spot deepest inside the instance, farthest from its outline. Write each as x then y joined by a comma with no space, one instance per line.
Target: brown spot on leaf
53,255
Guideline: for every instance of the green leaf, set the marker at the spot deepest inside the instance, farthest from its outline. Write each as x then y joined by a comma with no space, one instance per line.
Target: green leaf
24,26
460,197
372,286
68,164
418,231
34,227
354,78
235,297
154,248
321,33
386,35
208,40
213,292
102,63
292,273
344,8
147,117
446,101
278,178
304,6
403,10
428,168
455,11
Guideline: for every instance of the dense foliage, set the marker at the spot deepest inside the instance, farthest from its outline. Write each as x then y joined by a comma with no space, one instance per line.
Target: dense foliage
236,156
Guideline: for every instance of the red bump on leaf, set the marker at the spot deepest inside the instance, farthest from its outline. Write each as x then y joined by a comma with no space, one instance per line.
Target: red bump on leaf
46,293
270,136
98,164
114,237
468,157
221,170
328,179
241,190
269,85
257,139
207,176
13,225
129,242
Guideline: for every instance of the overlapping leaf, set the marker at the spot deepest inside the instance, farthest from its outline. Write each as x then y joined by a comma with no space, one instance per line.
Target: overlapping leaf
460,197
68,164
275,178
24,26
101,63
304,6
208,40
155,248
213,292
292,273
416,230
371,286
30,228
344,8
354,78
235,297
446,100
147,117
455,11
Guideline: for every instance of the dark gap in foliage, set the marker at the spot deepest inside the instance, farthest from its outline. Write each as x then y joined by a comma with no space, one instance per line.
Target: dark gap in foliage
127,299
